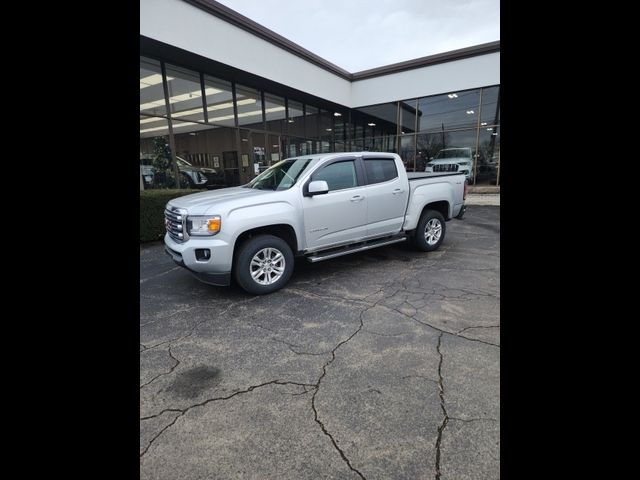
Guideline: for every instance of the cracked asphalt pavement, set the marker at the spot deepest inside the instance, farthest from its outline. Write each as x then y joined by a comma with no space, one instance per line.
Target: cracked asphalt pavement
382,364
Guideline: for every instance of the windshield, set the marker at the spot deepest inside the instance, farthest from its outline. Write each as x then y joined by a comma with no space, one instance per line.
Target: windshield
183,163
454,153
280,176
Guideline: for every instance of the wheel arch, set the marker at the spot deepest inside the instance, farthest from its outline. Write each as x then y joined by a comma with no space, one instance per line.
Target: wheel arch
441,206
281,230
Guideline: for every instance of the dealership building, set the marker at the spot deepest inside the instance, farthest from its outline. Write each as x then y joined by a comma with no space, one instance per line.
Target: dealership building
221,92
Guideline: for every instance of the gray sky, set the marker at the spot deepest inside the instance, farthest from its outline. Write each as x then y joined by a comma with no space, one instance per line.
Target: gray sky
359,34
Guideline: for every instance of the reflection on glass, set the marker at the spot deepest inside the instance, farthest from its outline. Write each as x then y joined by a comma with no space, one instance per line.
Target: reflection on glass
155,154
447,151
326,124
450,111
460,127
273,147
339,175
151,89
382,119
275,113
153,126
339,131
220,101
281,176
408,152
259,154
323,146
408,116
312,121
295,119
249,107
490,106
199,152
488,156
185,94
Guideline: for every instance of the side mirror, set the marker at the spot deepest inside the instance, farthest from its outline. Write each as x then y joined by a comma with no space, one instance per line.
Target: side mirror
318,187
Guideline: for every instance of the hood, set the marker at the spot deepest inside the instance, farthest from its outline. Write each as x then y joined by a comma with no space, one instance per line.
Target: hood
446,161
206,202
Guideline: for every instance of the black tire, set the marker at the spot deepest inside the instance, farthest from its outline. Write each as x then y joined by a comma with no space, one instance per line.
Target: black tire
419,240
248,250
185,181
461,213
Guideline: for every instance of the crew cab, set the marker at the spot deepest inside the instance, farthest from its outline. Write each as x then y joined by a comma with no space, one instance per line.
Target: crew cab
315,206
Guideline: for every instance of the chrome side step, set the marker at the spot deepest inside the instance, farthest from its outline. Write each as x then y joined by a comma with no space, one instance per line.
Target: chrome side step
347,250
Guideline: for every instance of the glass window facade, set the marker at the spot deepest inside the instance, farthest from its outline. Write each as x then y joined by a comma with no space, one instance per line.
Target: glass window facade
185,94
250,108
151,88
275,113
200,130
219,102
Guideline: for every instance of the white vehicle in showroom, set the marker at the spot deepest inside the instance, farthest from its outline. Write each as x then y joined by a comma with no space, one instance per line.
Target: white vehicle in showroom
452,160
316,206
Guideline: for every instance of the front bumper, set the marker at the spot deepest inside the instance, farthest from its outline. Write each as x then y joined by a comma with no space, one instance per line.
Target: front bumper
221,279
216,270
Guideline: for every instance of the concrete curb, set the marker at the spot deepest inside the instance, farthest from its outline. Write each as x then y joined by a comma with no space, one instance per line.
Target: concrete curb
484,189
482,199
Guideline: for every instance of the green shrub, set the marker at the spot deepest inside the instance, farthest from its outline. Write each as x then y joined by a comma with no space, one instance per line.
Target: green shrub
152,203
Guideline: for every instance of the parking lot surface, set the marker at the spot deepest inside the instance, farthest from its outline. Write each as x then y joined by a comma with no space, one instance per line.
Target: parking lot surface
378,365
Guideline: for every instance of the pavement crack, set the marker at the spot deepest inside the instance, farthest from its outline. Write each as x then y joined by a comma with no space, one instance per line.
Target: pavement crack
181,310
195,327
183,411
386,334
337,298
291,346
479,326
317,389
165,373
455,334
143,280
466,420
305,391
445,420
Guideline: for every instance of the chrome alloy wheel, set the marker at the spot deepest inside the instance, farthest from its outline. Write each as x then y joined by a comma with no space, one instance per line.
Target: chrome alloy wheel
267,266
433,231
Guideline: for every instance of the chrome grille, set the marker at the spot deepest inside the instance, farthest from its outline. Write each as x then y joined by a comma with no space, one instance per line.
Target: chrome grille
175,220
448,167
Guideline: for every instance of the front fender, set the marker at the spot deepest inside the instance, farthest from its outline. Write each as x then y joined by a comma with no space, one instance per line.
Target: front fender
241,219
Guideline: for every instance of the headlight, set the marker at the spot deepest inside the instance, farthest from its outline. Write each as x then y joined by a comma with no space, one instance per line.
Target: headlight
203,225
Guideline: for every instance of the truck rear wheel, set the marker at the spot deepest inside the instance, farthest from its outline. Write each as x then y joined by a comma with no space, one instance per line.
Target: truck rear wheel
264,264
430,231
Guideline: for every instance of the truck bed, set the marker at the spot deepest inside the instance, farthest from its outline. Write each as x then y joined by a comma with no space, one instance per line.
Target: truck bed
421,175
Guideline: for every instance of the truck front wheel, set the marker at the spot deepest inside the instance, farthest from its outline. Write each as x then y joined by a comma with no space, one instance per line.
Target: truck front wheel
430,231
264,264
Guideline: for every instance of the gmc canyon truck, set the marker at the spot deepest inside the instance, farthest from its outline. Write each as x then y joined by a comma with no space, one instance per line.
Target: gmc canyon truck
317,206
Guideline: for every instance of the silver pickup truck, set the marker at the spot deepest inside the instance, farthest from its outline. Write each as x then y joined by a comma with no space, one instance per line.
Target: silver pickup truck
317,206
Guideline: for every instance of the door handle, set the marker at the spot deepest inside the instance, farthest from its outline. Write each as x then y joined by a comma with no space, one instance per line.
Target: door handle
357,198
397,191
